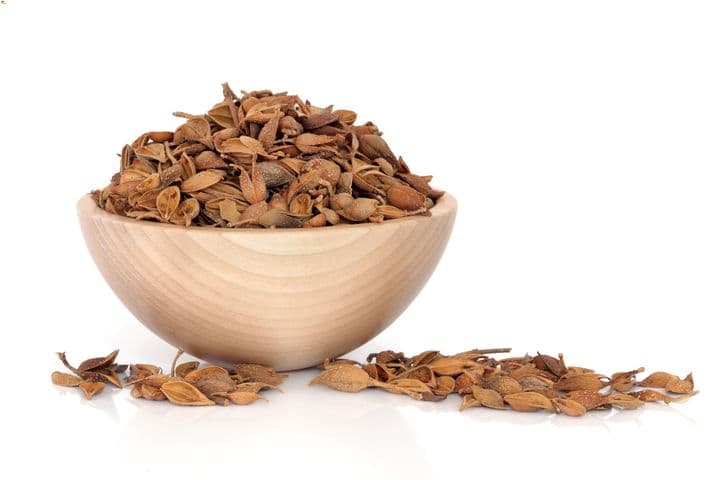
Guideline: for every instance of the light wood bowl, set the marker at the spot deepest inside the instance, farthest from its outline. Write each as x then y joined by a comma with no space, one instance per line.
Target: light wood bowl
284,298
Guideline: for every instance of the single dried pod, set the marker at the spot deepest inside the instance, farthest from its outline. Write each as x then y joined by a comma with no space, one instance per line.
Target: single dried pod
183,393
583,381
185,368
360,209
279,219
90,389
167,201
449,365
391,212
186,212
289,126
211,379
222,115
278,201
317,120
569,407
268,132
590,399
529,402
196,129
464,382
254,212
170,175
374,146
253,185
301,204
345,183
201,180
311,143
551,364
386,356
656,380
675,385
347,117
65,379
160,136
327,169
405,198
209,159
229,211
622,400
487,397
534,382
148,392
469,401
318,220
274,174
503,384
153,151
346,378
423,373
142,370
151,182
340,201
624,381
445,384
243,397
96,362
331,216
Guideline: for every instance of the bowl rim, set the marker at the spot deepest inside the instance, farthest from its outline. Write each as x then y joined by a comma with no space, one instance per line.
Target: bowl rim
86,207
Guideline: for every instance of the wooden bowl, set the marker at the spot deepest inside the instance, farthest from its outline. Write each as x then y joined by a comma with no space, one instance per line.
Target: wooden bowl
284,298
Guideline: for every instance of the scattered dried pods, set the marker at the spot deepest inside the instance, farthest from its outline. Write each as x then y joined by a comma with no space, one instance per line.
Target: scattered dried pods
264,160
188,384
524,384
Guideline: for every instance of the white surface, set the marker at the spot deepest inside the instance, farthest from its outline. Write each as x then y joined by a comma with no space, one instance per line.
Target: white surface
581,139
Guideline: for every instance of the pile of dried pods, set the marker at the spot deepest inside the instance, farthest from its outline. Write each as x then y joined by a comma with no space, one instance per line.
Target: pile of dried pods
265,160
186,384
525,384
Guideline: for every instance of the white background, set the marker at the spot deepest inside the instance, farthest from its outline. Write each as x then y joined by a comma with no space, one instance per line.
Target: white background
580,138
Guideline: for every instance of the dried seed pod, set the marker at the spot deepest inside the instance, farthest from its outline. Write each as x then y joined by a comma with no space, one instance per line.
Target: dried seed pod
149,392
275,174
280,219
182,393
569,407
360,209
209,160
374,146
582,381
504,385
90,389
167,201
185,368
529,402
590,399
488,398
675,385
405,198
201,180
65,379
345,378
656,380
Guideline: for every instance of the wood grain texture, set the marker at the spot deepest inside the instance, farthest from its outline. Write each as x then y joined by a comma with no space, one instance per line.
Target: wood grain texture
285,298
